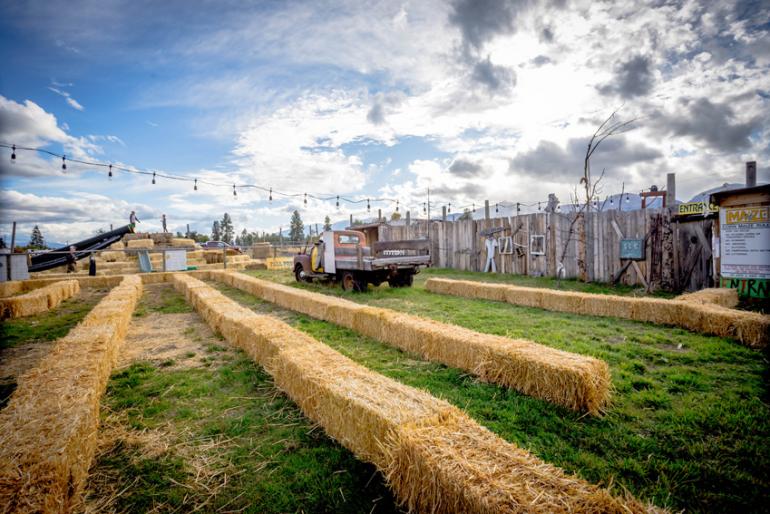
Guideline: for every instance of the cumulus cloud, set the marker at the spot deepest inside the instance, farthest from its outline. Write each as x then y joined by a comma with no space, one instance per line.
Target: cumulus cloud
553,162
711,124
495,78
631,79
28,124
481,20
466,168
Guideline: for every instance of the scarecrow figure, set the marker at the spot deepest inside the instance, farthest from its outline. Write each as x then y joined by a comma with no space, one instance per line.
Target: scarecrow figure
491,244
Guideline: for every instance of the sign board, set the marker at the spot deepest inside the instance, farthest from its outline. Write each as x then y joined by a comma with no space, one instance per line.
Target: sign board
176,260
745,242
696,209
632,249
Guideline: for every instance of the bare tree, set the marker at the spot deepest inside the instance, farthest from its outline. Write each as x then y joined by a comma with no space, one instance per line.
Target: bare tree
590,188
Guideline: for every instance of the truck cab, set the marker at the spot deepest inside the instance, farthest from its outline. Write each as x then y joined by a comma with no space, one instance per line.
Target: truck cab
345,256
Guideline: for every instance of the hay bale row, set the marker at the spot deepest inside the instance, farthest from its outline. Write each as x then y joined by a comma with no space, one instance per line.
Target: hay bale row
751,328
722,296
119,245
574,381
48,430
12,287
38,300
435,458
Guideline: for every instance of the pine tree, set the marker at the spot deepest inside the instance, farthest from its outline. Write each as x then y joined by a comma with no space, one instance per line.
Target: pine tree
327,223
216,232
226,227
395,216
296,227
36,240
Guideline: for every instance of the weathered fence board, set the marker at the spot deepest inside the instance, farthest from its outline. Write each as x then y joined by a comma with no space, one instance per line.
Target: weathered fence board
677,255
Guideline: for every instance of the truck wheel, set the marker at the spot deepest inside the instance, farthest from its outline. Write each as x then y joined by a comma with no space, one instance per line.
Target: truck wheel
404,280
299,274
351,283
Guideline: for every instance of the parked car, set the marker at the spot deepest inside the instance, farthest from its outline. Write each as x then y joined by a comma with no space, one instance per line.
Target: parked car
214,245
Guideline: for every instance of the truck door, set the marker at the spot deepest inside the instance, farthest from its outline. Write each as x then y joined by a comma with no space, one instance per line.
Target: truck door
328,246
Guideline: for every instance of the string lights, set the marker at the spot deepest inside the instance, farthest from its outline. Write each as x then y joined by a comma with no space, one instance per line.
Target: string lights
155,175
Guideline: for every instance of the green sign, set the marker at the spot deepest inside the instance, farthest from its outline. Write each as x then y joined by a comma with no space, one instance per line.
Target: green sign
752,287
632,249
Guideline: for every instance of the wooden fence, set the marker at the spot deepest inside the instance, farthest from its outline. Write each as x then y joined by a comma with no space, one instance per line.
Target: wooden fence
677,256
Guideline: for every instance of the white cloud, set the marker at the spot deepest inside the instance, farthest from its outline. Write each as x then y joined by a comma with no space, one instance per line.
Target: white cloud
68,98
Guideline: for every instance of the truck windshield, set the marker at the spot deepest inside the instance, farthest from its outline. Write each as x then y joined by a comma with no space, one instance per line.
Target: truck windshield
346,239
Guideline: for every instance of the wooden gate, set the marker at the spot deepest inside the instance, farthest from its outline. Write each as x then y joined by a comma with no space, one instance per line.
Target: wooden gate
693,259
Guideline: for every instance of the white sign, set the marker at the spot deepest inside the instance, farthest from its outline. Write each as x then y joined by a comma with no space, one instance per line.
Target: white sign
745,242
176,260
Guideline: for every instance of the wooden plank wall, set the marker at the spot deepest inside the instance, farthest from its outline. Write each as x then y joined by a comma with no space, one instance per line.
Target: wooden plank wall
670,248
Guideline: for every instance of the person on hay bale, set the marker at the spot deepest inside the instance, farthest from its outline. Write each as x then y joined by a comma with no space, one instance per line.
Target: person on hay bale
71,259
133,220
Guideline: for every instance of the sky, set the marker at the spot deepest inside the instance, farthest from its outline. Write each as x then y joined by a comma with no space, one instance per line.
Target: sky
473,99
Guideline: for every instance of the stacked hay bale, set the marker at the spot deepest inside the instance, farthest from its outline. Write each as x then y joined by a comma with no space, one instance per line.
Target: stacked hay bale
38,300
48,430
699,315
575,381
140,244
722,296
434,456
180,242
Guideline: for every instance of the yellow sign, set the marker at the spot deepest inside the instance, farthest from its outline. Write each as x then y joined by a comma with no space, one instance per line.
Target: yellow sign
694,208
279,263
748,215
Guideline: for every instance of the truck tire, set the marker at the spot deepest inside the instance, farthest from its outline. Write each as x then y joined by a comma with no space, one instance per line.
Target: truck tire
350,282
402,280
299,274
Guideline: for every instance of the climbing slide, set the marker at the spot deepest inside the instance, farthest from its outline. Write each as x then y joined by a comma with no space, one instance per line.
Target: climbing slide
83,249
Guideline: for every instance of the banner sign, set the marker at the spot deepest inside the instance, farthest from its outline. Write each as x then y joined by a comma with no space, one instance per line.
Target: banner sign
696,208
745,242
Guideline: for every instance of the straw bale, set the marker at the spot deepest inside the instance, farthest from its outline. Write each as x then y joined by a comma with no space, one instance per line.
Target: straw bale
578,382
723,296
454,465
38,300
11,288
182,242
436,458
120,245
113,256
140,244
699,312
48,429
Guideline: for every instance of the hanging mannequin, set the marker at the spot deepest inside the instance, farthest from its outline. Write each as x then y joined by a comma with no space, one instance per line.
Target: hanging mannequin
491,244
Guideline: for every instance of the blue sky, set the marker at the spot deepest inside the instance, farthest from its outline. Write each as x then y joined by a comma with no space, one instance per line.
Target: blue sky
476,99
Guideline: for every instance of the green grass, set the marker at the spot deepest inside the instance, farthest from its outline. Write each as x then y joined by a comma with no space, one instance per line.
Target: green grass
688,426
49,325
275,459
163,300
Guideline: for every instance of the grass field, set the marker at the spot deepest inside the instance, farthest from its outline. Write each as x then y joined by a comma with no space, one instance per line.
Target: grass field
206,430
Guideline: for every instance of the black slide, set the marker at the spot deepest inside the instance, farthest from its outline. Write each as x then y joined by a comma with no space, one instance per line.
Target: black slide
83,248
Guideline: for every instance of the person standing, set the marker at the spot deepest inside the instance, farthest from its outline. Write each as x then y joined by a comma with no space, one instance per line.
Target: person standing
71,259
132,219
491,244
163,222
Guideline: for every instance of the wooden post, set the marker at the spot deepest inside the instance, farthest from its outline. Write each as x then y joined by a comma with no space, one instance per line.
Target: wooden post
408,218
670,199
13,245
486,209
188,230
751,173
224,258
351,220
379,215
443,213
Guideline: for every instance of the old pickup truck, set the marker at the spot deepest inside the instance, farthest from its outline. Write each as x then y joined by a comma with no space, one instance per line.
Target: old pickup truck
345,257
